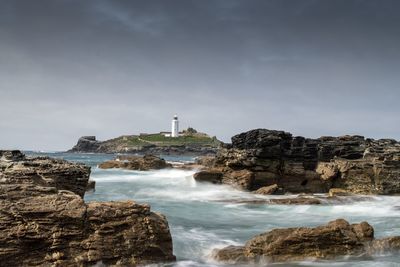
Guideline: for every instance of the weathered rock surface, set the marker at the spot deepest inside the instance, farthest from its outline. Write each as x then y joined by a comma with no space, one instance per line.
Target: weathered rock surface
145,163
337,238
43,171
298,164
45,222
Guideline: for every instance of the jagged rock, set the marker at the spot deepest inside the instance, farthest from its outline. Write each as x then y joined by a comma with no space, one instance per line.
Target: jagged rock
87,144
298,164
267,190
45,222
337,238
43,171
147,162
11,155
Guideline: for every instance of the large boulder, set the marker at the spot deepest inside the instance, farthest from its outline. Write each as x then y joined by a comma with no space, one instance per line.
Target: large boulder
145,163
45,222
335,239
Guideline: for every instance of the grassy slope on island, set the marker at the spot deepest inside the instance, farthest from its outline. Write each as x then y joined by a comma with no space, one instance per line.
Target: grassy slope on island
161,140
131,141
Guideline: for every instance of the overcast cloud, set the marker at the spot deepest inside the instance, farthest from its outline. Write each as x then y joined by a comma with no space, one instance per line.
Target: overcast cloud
106,68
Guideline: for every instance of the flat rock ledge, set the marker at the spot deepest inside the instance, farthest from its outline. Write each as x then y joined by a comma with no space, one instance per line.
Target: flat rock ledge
336,239
145,163
45,222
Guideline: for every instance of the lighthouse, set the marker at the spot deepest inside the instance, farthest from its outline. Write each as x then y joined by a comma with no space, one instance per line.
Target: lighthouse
175,127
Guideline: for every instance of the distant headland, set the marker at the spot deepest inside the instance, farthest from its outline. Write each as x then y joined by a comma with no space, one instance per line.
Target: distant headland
186,142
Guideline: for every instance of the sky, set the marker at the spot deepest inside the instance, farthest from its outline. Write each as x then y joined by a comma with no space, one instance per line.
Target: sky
70,68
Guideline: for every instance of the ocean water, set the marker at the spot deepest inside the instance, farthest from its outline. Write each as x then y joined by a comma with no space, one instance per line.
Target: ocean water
203,217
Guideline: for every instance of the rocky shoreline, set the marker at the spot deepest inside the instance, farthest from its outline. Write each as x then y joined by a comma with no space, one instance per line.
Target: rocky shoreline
44,220
264,158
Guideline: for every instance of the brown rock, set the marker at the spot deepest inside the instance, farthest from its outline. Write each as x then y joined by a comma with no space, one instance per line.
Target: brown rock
240,179
337,238
44,222
211,176
230,254
145,163
267,190
43,171
333,192
327,171
205,161
70,232
384,245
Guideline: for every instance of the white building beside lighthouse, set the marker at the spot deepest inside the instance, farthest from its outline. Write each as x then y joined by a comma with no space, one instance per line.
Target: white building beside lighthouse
175,127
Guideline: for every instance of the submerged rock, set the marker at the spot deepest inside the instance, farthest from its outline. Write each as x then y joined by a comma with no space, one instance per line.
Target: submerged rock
45,222
145,163
337,238
261,157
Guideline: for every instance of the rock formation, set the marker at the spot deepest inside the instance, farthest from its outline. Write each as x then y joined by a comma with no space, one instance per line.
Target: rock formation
145,163
337,238
15,169
45,222
134,144
263,157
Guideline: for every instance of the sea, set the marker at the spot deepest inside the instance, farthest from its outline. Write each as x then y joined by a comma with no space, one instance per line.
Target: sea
203,217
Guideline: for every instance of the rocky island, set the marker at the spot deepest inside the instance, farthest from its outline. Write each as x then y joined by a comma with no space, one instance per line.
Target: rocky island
189,142
269,161
44,220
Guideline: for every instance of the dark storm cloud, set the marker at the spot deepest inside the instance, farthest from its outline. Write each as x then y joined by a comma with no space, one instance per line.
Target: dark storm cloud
71,68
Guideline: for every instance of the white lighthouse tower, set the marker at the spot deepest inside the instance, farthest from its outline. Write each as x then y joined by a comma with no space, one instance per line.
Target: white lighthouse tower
175,127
